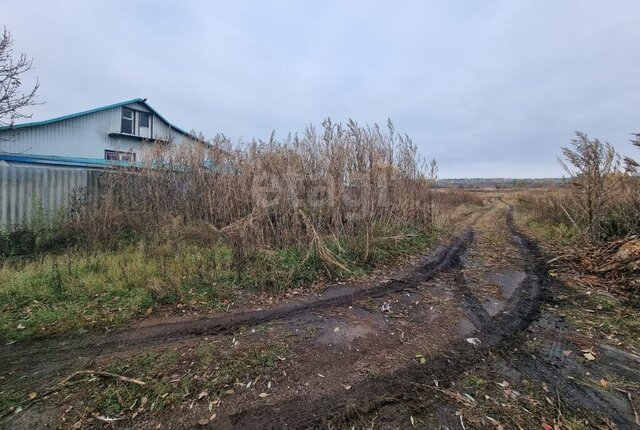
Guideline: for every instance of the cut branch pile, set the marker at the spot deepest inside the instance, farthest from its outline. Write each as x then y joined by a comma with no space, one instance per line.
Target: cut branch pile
614,265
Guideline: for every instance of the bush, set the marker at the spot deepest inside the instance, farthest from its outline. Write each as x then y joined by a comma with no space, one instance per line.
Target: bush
602,202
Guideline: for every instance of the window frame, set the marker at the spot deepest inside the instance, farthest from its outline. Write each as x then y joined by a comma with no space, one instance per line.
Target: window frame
132,119
149,124
136,114
141,115
121,155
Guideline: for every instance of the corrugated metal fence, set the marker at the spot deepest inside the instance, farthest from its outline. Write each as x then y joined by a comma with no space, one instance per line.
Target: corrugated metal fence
23,189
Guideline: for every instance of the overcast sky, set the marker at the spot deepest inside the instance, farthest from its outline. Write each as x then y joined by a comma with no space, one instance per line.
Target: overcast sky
488,88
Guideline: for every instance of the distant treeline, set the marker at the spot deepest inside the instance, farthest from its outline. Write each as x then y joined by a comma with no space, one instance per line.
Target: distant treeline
500,182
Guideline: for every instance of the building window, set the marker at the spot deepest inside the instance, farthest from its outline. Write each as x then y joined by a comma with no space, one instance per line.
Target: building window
144,119
128,116
144,125
119,155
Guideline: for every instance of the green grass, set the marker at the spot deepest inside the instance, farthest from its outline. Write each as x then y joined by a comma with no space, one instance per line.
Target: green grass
76,291
557,234
605,315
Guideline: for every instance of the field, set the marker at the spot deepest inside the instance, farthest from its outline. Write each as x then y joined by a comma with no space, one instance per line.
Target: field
435,308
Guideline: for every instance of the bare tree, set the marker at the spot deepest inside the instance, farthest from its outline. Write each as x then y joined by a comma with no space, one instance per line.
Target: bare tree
12,97
591,165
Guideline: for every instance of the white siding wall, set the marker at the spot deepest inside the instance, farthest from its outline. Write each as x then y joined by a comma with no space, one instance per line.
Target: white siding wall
83,136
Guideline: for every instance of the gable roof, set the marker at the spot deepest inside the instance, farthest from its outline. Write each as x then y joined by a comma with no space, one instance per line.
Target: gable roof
98,109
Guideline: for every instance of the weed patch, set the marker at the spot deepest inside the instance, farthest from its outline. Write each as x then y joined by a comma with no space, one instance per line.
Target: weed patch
79,291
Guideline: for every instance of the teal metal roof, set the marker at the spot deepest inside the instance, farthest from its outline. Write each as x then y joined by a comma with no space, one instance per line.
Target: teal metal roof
54,160
90,111
99,163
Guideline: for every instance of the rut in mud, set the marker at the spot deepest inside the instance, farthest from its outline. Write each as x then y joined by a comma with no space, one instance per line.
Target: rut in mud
56,354
412,385
361,365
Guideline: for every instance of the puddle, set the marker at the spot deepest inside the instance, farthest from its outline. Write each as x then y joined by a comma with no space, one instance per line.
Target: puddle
465,327
509,281
341,329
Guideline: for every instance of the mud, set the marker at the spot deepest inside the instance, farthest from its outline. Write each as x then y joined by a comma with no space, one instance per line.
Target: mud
412,387
50,355
413,383
443,299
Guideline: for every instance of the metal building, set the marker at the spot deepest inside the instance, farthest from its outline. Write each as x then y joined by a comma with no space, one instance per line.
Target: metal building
119,131
42,163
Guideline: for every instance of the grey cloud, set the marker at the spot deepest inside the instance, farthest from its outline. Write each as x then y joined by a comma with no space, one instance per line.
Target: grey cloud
489,88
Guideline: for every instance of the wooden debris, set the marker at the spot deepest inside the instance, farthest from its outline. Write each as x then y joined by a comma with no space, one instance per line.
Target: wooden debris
614,265
104,375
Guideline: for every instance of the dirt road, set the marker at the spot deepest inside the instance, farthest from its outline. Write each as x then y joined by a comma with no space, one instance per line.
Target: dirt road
465,338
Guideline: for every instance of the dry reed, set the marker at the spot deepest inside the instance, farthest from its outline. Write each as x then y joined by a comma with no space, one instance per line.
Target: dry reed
341,181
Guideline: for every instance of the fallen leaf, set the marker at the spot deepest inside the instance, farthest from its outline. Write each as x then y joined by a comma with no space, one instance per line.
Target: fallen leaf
263,395
337,329
203,421
589,356
604,382
33,395
474,341
20,326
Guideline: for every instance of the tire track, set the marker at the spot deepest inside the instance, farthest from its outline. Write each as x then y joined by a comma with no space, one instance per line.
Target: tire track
553,369
476,313
413,384
44,356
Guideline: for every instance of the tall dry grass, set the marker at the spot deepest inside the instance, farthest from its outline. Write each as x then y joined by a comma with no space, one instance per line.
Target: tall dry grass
339,181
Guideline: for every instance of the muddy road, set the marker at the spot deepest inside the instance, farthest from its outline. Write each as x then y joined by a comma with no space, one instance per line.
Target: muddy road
398,353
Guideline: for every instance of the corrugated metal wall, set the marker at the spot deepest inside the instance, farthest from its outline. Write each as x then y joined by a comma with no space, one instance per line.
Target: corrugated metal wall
22,187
